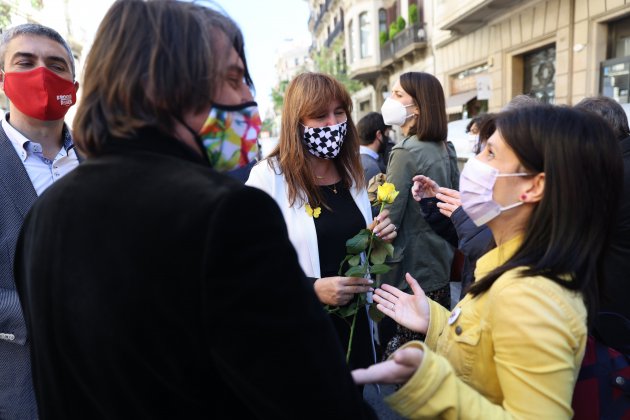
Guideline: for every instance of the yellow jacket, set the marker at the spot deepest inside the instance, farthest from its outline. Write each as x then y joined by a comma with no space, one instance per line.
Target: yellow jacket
512,352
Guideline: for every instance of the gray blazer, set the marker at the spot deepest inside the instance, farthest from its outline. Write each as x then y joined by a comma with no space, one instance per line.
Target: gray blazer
17,195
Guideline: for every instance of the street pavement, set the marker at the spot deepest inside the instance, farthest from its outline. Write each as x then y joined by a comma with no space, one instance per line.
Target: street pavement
382,410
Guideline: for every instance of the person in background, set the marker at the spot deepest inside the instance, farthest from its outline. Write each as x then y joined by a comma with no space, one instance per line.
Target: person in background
513,346
155,293
417,106
36,150
613,320
373,138
315,176
230,134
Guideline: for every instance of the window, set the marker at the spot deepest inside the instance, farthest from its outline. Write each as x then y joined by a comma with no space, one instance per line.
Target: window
615,72
382,20
351,40
540,74
364,35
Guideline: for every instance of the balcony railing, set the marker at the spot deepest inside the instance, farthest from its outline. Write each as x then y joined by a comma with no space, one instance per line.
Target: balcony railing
333,35
387,51
413,36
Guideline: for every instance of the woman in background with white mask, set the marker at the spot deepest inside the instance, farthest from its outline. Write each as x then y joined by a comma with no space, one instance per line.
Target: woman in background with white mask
315,176
512,347
417,105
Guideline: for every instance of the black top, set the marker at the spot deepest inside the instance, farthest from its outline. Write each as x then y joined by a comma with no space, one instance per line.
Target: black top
334,227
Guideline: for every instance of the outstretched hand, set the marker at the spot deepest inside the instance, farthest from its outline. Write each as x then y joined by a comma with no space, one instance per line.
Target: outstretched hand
423,187
397,370
409,310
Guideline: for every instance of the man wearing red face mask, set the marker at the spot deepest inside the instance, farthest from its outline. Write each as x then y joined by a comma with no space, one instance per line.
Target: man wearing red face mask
36,149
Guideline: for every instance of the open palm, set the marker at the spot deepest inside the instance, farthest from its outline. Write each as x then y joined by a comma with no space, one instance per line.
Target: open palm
409,310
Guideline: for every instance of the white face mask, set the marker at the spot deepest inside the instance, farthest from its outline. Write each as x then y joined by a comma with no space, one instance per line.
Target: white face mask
476,183
394,113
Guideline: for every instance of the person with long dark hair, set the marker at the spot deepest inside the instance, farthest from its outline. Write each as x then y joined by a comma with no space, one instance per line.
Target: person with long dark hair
416,105
547,185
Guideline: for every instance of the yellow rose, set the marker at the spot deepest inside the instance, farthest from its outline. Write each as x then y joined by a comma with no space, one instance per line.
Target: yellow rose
386,193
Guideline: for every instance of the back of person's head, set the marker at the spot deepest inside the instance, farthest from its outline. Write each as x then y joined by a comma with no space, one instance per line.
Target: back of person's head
151,62
369,125
309,95
33,29
428,95
610,110
569,227
520,101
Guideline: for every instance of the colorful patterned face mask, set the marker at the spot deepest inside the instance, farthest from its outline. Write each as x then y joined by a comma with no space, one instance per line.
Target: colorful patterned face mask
230,135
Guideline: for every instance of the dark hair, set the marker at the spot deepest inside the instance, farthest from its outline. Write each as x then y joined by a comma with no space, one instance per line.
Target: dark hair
34,29
369,125
308,96
427,93
151,62
235,35
486,126
610,110
474,120
520,101
569,228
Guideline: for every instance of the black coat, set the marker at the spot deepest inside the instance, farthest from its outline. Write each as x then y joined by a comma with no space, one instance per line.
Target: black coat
154,287
613,323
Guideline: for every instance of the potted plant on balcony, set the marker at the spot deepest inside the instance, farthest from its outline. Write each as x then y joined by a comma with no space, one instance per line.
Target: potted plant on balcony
383,37
400,22
413,15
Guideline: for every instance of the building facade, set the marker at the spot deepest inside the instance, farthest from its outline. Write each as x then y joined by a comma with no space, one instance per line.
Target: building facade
484,52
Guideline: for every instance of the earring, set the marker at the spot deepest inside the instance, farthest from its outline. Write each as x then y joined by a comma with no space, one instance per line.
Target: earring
523,197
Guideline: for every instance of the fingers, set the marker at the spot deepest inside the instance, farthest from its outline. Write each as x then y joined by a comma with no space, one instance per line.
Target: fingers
449,196
386,288
409,356
415,287
446,209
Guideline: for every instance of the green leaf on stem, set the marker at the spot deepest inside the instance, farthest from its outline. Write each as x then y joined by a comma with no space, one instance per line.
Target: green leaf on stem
379,269
356,271
359,242
347,258
354,261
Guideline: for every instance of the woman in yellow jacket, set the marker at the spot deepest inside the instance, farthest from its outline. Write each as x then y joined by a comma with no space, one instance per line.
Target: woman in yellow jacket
546,185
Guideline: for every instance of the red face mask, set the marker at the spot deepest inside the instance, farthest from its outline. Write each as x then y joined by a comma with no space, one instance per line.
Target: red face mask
40,93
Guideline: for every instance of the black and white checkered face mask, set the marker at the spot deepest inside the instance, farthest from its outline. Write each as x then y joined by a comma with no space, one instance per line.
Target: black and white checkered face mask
325,142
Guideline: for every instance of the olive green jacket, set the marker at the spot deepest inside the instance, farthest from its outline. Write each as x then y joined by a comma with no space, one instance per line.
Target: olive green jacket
418,250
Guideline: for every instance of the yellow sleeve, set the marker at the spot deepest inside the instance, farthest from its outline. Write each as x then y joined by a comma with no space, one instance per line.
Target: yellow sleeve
434,391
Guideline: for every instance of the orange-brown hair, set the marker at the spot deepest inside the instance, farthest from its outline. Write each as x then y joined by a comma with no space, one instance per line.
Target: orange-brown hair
308,96
151,62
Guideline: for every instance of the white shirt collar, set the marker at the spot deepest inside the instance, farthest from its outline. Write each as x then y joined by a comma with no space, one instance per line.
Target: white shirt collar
364,150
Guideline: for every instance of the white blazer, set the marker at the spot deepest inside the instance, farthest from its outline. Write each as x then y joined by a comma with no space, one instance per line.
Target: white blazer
300,225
